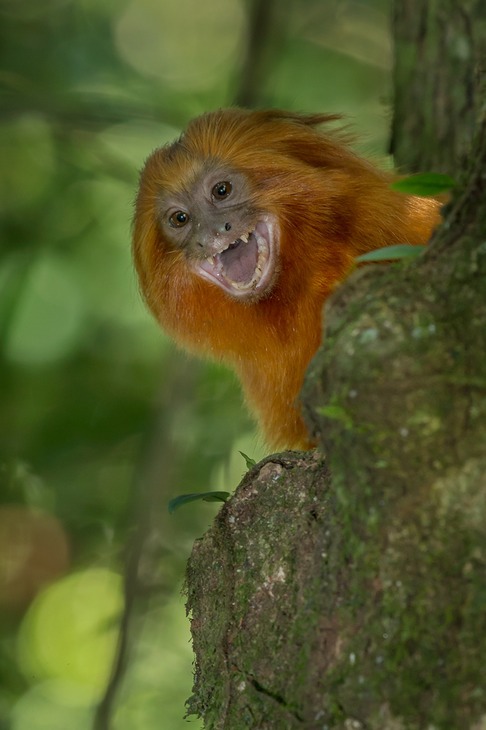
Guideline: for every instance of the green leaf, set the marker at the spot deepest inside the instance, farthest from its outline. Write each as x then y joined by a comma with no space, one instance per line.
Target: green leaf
427,183
249,462
194,497
391,253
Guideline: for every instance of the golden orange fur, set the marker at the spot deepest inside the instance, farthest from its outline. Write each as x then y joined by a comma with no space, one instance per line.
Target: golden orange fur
331,206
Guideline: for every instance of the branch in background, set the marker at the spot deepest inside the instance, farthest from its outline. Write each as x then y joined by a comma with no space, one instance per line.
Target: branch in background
262,18
84,111
158,462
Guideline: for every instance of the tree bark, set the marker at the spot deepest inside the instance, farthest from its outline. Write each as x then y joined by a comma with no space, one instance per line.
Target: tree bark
358,600
439,63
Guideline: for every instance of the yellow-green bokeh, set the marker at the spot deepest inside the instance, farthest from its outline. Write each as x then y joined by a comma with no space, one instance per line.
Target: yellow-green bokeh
70,632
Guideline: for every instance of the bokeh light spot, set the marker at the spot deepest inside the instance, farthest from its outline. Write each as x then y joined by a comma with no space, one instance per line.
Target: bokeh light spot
70,631
186,43
52,705
33,551
49,316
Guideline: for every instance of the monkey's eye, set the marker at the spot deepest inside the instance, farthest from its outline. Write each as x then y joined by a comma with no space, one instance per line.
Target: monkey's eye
178,219
221,190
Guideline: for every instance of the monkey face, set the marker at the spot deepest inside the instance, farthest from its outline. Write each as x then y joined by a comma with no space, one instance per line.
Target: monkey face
226,240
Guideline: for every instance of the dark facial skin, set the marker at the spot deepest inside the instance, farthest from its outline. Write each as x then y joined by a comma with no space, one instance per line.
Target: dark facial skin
226,240
210,215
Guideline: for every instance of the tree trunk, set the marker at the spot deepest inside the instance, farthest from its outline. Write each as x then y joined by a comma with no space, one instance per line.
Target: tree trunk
439,60
359,600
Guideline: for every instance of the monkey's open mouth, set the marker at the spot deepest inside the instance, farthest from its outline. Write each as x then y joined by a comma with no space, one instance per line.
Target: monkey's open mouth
246,267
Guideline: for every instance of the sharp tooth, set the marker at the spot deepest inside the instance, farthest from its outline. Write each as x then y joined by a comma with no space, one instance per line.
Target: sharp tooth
244,238
210,260
261,242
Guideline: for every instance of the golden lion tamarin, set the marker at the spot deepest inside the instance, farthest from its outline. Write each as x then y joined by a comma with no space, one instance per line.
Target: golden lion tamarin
242,229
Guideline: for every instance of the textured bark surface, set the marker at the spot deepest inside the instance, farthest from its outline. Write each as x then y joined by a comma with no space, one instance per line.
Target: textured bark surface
440,48
358,600
406,438
256,586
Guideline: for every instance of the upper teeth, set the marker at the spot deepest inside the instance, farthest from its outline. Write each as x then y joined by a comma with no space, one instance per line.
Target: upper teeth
261,242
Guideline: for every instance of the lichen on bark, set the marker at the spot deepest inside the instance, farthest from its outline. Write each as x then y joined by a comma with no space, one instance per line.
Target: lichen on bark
253,590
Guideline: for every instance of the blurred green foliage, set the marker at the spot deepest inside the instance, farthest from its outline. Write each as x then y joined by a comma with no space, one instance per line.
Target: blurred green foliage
102,422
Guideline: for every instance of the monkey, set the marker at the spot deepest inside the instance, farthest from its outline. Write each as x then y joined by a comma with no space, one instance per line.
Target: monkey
242,229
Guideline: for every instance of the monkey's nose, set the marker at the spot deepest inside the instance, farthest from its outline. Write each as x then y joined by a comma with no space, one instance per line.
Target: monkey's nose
227,226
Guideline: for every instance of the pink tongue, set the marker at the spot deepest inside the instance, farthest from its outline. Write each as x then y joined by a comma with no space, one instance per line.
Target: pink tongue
239,261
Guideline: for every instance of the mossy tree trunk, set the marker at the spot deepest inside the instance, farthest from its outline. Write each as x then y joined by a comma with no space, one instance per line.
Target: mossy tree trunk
350,591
